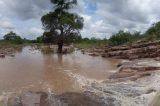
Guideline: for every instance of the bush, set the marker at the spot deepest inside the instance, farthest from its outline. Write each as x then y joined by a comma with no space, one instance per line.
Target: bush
120,38
124,37
13,38
153,32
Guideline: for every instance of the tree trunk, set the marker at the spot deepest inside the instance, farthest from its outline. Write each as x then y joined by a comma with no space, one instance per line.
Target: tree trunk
60,47
60,43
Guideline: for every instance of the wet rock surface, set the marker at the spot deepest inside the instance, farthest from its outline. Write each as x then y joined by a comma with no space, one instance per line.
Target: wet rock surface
9,50
135,84
133,70
67,99
131,51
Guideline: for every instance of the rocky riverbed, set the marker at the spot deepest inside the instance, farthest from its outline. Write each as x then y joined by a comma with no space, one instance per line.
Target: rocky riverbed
137,81
135,84
131,51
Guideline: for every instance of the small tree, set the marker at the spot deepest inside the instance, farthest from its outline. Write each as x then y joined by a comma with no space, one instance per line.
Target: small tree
61,23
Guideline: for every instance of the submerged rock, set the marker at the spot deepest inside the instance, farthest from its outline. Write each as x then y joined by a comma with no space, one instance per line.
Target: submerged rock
66,99
2,55
134,70
93,54
135,84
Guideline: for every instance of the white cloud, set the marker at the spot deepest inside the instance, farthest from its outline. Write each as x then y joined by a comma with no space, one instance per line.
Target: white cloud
30,33
114,15
6,24
24,10
36,31
109,16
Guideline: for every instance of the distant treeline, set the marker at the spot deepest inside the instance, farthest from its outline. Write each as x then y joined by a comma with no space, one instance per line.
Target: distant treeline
122,37
13,38
119,38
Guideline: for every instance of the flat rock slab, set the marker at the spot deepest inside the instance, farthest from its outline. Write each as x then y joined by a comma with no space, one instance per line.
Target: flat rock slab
136,69
66,99
31,99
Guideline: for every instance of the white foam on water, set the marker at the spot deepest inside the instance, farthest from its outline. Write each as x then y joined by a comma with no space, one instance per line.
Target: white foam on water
81,80
142,85
127,93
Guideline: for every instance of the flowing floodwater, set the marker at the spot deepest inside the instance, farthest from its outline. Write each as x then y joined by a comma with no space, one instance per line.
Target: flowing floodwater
33,70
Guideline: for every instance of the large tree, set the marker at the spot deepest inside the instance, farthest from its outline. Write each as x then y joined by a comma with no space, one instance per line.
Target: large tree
60,22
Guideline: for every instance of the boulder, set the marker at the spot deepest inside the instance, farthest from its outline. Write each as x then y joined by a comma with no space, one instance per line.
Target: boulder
136,69
2,55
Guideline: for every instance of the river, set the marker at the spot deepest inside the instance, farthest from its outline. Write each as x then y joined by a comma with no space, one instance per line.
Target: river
32,70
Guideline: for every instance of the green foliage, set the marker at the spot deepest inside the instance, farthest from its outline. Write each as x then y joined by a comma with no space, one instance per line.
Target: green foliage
39,39
61,5
120,38
72,38
92,42
67,23
153,32
13,38
60,23
47,37
124,37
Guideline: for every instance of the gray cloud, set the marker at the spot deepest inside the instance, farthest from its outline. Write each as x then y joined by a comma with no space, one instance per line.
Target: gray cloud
26,9
109,16
133,15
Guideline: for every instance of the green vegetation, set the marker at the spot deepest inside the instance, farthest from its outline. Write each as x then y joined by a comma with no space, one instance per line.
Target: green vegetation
60,23
90,43
12,37
120,38
153,32
47,37
124,37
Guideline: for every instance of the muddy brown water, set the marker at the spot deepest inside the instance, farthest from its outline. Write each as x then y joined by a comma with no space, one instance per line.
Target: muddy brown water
31,70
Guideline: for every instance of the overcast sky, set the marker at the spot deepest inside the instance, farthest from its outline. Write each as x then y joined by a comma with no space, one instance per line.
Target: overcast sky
102,17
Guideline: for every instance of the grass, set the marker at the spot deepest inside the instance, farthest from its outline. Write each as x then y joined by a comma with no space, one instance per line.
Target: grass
85,45
5,43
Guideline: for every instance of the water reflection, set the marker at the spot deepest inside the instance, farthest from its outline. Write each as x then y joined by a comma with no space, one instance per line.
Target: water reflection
47,50
60,57
54,75
34,70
